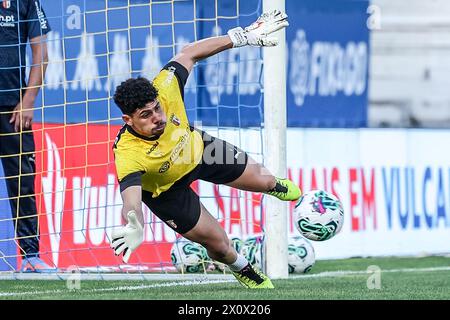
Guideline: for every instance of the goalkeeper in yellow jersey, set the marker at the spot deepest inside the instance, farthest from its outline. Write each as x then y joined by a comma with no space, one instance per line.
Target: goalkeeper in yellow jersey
158,154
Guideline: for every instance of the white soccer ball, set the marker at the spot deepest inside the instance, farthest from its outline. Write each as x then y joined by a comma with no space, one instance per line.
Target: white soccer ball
188,256
319,215
252,250
301,255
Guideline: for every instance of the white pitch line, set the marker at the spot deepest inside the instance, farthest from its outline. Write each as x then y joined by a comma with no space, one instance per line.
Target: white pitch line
121,288
205,282
347,272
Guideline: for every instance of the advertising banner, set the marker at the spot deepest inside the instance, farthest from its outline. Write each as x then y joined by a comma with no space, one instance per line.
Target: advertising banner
328,44
80,203
93,48
394,186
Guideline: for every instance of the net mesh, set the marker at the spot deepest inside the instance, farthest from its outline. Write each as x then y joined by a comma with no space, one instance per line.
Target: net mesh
93,46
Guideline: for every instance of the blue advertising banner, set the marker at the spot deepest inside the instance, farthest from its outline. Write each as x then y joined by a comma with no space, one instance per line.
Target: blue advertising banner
97,44
328,63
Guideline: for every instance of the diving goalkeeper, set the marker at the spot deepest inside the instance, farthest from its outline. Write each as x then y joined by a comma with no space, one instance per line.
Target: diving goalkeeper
158,154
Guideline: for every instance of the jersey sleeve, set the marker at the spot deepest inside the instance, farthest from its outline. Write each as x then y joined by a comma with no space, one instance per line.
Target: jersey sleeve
129,172
37,20
132,179
164,80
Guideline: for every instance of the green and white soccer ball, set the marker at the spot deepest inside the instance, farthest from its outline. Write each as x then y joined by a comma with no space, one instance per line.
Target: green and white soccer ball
188,256
252,250
301,255
319,215
237,243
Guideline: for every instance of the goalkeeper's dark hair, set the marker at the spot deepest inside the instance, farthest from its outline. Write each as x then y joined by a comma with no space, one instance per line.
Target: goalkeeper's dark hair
134,94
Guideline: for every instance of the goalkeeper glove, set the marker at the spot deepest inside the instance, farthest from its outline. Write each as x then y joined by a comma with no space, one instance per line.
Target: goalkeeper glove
257,33
127,238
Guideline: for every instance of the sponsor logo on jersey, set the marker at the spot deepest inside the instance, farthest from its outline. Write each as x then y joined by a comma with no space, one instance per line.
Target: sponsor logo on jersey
165,166
177,151
153,148
182,143
41,16
7,21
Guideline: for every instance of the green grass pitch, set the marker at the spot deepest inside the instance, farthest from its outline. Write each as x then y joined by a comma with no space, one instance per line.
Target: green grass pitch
351,279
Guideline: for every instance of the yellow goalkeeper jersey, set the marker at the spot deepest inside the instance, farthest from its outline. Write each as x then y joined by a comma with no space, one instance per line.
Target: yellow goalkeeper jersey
157,164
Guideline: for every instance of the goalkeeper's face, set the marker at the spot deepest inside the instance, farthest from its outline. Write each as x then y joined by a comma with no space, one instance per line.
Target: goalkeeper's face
149,121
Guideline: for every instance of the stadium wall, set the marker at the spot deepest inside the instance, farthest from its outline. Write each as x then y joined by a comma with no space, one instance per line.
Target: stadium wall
394,185
409,64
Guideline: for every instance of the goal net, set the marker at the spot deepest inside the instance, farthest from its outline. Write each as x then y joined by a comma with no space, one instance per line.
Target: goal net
94,45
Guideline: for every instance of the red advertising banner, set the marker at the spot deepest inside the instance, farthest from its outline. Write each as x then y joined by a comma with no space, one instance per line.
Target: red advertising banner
79,199
396,202
79,202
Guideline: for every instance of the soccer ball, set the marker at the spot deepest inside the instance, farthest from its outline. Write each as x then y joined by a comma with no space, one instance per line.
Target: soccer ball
237,244
188,256
301,256
252,250
318,215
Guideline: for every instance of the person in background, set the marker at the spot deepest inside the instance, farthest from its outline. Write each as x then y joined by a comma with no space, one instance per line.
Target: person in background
21,22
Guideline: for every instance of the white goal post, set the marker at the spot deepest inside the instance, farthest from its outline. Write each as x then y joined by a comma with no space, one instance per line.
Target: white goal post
274,59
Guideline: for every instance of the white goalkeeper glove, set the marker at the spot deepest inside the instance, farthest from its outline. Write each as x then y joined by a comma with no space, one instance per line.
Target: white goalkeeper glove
127,238
257,33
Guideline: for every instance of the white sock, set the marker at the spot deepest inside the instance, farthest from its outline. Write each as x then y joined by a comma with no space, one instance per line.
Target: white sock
239,264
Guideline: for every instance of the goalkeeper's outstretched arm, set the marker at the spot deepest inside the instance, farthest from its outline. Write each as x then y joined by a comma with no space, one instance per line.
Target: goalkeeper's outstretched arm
256,34
132,200
126,239
202,49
